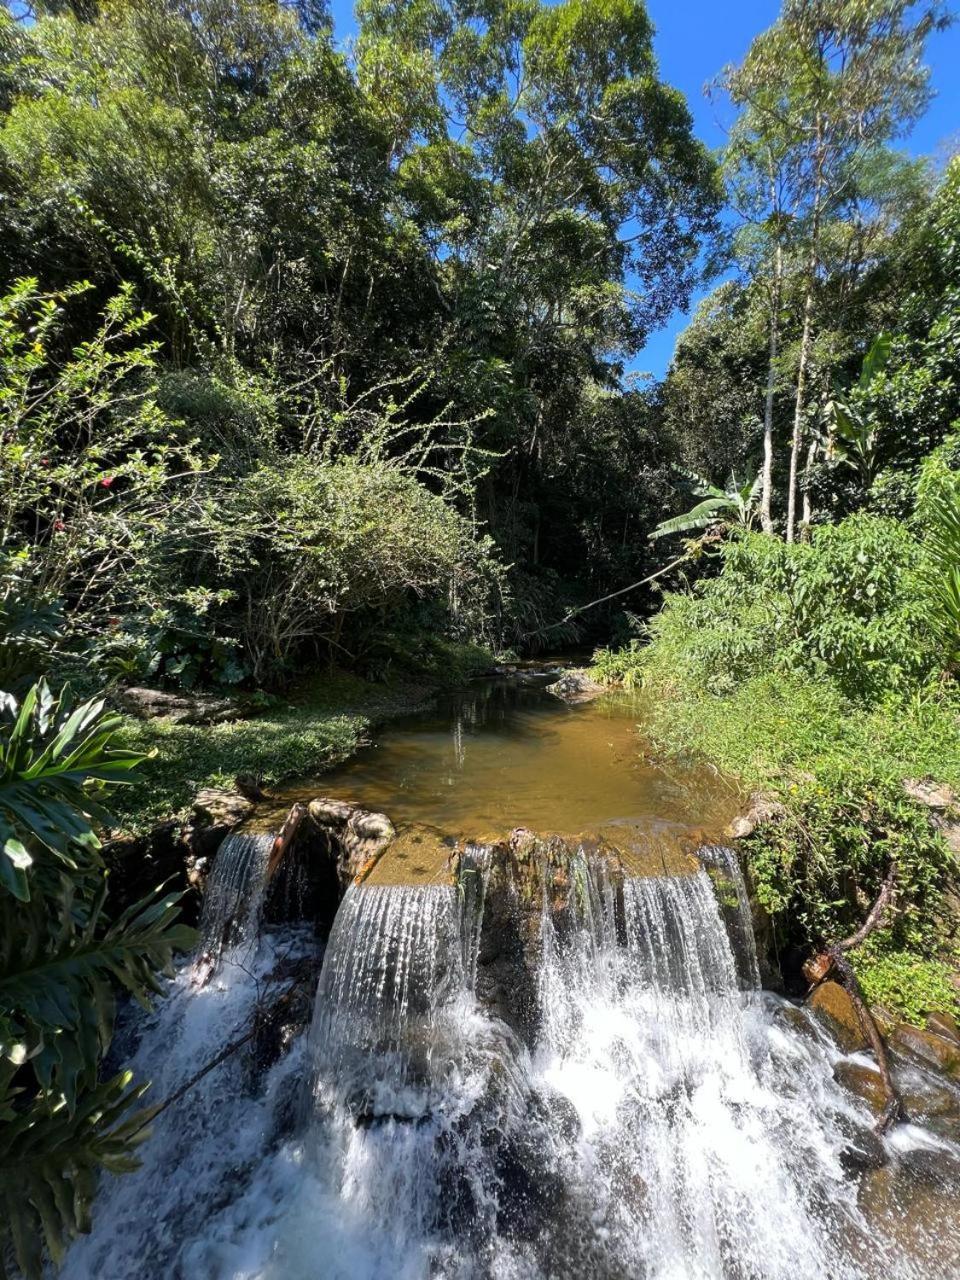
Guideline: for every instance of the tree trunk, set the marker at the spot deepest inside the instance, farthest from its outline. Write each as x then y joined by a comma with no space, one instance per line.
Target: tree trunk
766,493
798,407
807,335
807,507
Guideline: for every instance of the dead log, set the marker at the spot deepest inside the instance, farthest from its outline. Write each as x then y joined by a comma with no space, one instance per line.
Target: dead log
833,963
291,824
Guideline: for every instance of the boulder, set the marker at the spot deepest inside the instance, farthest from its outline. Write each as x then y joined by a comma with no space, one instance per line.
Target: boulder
359,836
838,1013
927,1048
218,807
181,708
944,1024
865,1082
215,813
762,809
933,795
576,687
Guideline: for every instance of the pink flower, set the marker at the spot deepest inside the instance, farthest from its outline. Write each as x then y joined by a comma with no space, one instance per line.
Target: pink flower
59,526
106,482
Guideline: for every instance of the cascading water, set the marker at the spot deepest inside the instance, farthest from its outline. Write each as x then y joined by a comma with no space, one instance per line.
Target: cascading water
206,1148
668,1122
234,896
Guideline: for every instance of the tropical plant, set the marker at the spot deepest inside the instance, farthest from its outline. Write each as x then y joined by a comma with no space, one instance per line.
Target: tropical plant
938,512
61,958
733,506
851,433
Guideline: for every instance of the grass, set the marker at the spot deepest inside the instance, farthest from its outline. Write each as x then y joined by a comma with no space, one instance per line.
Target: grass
776,729
321,724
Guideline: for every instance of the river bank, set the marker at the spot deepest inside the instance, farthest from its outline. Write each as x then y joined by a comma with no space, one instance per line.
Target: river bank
842,791
270,739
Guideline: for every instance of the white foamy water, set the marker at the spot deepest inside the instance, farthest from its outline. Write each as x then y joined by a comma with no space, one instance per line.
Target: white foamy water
670,1121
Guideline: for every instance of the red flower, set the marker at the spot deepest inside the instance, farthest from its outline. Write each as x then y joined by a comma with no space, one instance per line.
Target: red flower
59,526
106,482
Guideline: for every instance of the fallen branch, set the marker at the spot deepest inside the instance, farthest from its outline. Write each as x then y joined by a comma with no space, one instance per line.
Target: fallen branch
291,824
567,617
214,1062
834,963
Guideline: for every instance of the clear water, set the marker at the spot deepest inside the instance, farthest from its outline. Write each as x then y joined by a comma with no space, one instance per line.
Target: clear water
508,754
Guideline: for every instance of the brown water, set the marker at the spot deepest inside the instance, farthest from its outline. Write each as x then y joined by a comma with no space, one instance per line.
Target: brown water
506,753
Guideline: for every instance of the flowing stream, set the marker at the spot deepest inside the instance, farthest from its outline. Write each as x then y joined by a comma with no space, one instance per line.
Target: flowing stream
665,1118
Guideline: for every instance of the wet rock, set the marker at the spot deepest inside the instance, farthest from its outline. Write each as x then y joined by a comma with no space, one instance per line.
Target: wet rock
576,687
215,813
932,1102
420,854
181,708
864,1082
862,1148
839,1015
359,836
762,809
927,1048
944,1024
908,1202
797,1020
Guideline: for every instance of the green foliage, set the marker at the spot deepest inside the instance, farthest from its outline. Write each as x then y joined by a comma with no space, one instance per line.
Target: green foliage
61,959
52,757
819,868
620,667
905,982
734,506
850,605
304,546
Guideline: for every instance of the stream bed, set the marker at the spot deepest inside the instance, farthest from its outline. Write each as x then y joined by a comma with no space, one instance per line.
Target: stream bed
653,1114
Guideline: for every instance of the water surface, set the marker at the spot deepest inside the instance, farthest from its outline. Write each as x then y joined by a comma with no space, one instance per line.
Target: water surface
507,753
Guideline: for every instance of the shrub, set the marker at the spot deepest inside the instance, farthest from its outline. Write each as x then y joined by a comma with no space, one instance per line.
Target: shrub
319,554
61,956
851,606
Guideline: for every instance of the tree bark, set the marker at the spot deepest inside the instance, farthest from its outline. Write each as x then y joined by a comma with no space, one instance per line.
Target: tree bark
798,407
806,337
833,963
766,492
807,505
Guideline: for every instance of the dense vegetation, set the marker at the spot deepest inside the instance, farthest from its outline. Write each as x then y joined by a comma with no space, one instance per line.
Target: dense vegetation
817,658
316,361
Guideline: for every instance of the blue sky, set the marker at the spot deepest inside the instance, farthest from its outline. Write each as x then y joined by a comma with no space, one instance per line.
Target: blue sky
695,39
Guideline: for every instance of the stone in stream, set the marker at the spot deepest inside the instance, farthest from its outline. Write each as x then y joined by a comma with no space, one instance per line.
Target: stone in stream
576,687
834,1007
927,1047
944,1024
358,836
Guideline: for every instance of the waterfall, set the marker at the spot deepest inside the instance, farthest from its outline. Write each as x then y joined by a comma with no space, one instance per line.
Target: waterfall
668,1121
694,1163
234,895
405,1078
734,901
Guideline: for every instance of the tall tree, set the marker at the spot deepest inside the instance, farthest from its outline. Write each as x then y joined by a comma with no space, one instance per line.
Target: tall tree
829,84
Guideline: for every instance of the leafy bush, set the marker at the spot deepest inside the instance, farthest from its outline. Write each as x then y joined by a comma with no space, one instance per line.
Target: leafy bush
905,982
851,606
321,553
61,957
623,667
